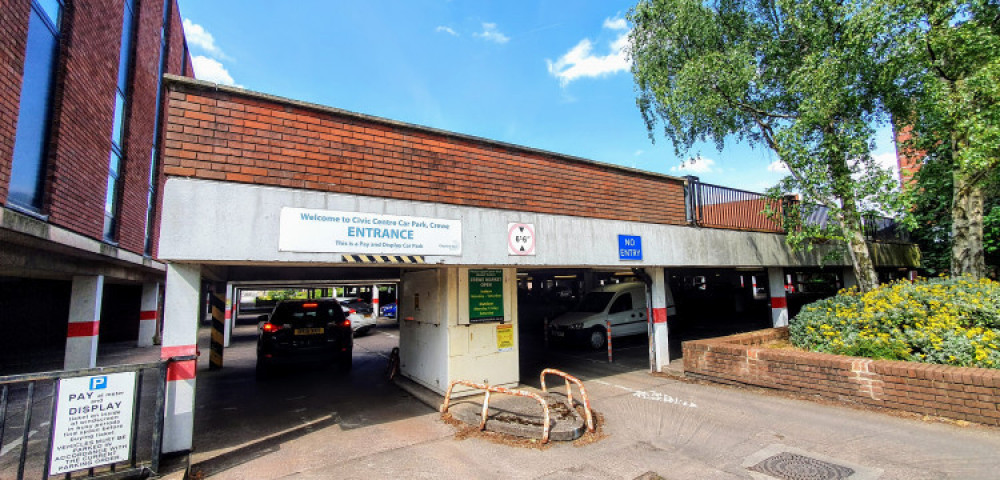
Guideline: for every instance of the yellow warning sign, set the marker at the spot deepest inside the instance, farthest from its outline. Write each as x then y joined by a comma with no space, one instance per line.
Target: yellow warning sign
505,337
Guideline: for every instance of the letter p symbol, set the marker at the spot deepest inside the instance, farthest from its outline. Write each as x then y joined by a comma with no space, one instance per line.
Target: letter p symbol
99,383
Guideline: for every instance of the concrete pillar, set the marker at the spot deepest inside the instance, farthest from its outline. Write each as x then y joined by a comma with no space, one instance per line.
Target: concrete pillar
779,304
217,305
661,347
180,338
84,322
149,311
375,311
850,280
227,332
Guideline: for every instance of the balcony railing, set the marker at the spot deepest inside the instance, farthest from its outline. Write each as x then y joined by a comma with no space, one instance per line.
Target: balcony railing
715,206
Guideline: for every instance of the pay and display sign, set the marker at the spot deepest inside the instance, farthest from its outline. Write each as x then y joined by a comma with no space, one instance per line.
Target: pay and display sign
93,423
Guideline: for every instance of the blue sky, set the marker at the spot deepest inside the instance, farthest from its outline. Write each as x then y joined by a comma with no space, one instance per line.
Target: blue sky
544,74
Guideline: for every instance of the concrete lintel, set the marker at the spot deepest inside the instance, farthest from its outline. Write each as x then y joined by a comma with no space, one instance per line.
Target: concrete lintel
76,254
563,241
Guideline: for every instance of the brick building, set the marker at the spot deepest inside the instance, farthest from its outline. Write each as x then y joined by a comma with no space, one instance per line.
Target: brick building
80,84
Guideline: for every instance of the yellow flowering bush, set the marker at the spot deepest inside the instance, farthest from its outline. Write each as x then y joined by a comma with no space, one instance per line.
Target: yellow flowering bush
950,321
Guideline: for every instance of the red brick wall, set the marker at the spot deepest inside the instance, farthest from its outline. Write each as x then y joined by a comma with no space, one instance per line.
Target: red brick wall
223,135
908,159
83,109
971,394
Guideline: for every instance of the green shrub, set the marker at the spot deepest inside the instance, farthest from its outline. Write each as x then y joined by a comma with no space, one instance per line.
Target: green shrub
951,321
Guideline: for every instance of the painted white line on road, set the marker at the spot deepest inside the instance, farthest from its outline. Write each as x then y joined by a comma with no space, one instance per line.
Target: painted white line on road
651,395
295,398
10,446
388,334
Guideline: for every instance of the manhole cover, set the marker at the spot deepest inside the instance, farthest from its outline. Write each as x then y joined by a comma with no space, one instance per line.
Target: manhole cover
790,466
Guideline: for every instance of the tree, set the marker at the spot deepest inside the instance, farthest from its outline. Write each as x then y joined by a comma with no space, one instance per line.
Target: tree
942,79
786,74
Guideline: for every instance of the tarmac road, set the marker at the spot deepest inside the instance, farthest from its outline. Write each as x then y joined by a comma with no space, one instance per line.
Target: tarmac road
314,424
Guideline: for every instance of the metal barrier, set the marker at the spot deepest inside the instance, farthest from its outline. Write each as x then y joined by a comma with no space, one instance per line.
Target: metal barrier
486,402
569,392
715,206
48,384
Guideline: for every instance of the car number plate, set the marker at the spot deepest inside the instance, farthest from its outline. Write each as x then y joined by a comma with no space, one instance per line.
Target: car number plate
308,331
557,333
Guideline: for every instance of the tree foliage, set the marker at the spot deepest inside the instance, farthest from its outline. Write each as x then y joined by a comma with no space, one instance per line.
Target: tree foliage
941,77
793,76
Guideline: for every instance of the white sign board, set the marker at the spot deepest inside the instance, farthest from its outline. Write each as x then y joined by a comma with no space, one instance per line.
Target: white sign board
327,231
520,239
93,424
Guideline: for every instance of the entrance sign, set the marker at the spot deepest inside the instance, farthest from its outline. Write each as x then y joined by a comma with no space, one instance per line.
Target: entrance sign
93,422
520,239
629,247
486,296
505,337
328,231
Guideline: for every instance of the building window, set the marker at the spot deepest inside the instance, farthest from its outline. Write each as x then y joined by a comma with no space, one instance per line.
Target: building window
28,171
112,200
155,151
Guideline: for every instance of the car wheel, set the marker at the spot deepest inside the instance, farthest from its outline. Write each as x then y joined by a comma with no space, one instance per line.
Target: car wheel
596,338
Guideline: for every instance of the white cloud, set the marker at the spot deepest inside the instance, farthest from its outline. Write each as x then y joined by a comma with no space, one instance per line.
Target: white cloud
447,30
212,70
638,152
615,24
491,33
777,166
580,61
695,165
197,36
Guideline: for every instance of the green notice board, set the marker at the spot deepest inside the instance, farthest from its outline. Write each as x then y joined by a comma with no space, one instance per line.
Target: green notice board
486,296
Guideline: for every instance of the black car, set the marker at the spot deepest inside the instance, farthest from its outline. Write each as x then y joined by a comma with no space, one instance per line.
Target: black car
300,331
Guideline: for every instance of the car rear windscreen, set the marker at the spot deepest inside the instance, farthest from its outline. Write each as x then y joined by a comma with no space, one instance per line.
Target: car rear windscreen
298,314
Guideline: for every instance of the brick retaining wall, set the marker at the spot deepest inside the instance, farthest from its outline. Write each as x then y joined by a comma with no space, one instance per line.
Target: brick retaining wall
962,393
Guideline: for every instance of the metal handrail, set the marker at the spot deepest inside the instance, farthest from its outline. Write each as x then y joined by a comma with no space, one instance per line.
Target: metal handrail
486,402
569,392
31,379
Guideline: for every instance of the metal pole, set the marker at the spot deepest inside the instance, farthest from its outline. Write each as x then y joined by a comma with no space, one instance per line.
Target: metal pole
52,428
28,403
607,338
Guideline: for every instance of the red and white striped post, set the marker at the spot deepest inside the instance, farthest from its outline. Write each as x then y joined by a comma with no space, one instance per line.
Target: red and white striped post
180,338
149,311
84,322
375,310
779,304
661,345
607,338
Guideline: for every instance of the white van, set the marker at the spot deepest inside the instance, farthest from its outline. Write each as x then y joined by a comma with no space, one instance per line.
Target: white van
624,304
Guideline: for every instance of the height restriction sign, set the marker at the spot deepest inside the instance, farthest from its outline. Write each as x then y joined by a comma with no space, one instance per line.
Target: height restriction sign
520,239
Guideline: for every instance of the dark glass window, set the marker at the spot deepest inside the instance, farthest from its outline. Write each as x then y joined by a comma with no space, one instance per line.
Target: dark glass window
118,127
41,54
622,303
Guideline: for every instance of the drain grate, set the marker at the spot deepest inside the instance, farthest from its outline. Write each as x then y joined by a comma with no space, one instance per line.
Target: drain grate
791,466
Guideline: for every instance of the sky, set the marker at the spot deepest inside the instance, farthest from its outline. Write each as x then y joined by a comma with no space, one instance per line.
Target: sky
545,74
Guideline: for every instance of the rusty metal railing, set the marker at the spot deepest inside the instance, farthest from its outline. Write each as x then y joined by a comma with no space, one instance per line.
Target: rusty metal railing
486,402
569,392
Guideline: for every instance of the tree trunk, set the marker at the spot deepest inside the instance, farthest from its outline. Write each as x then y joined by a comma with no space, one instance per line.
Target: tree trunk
850,222
967,256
